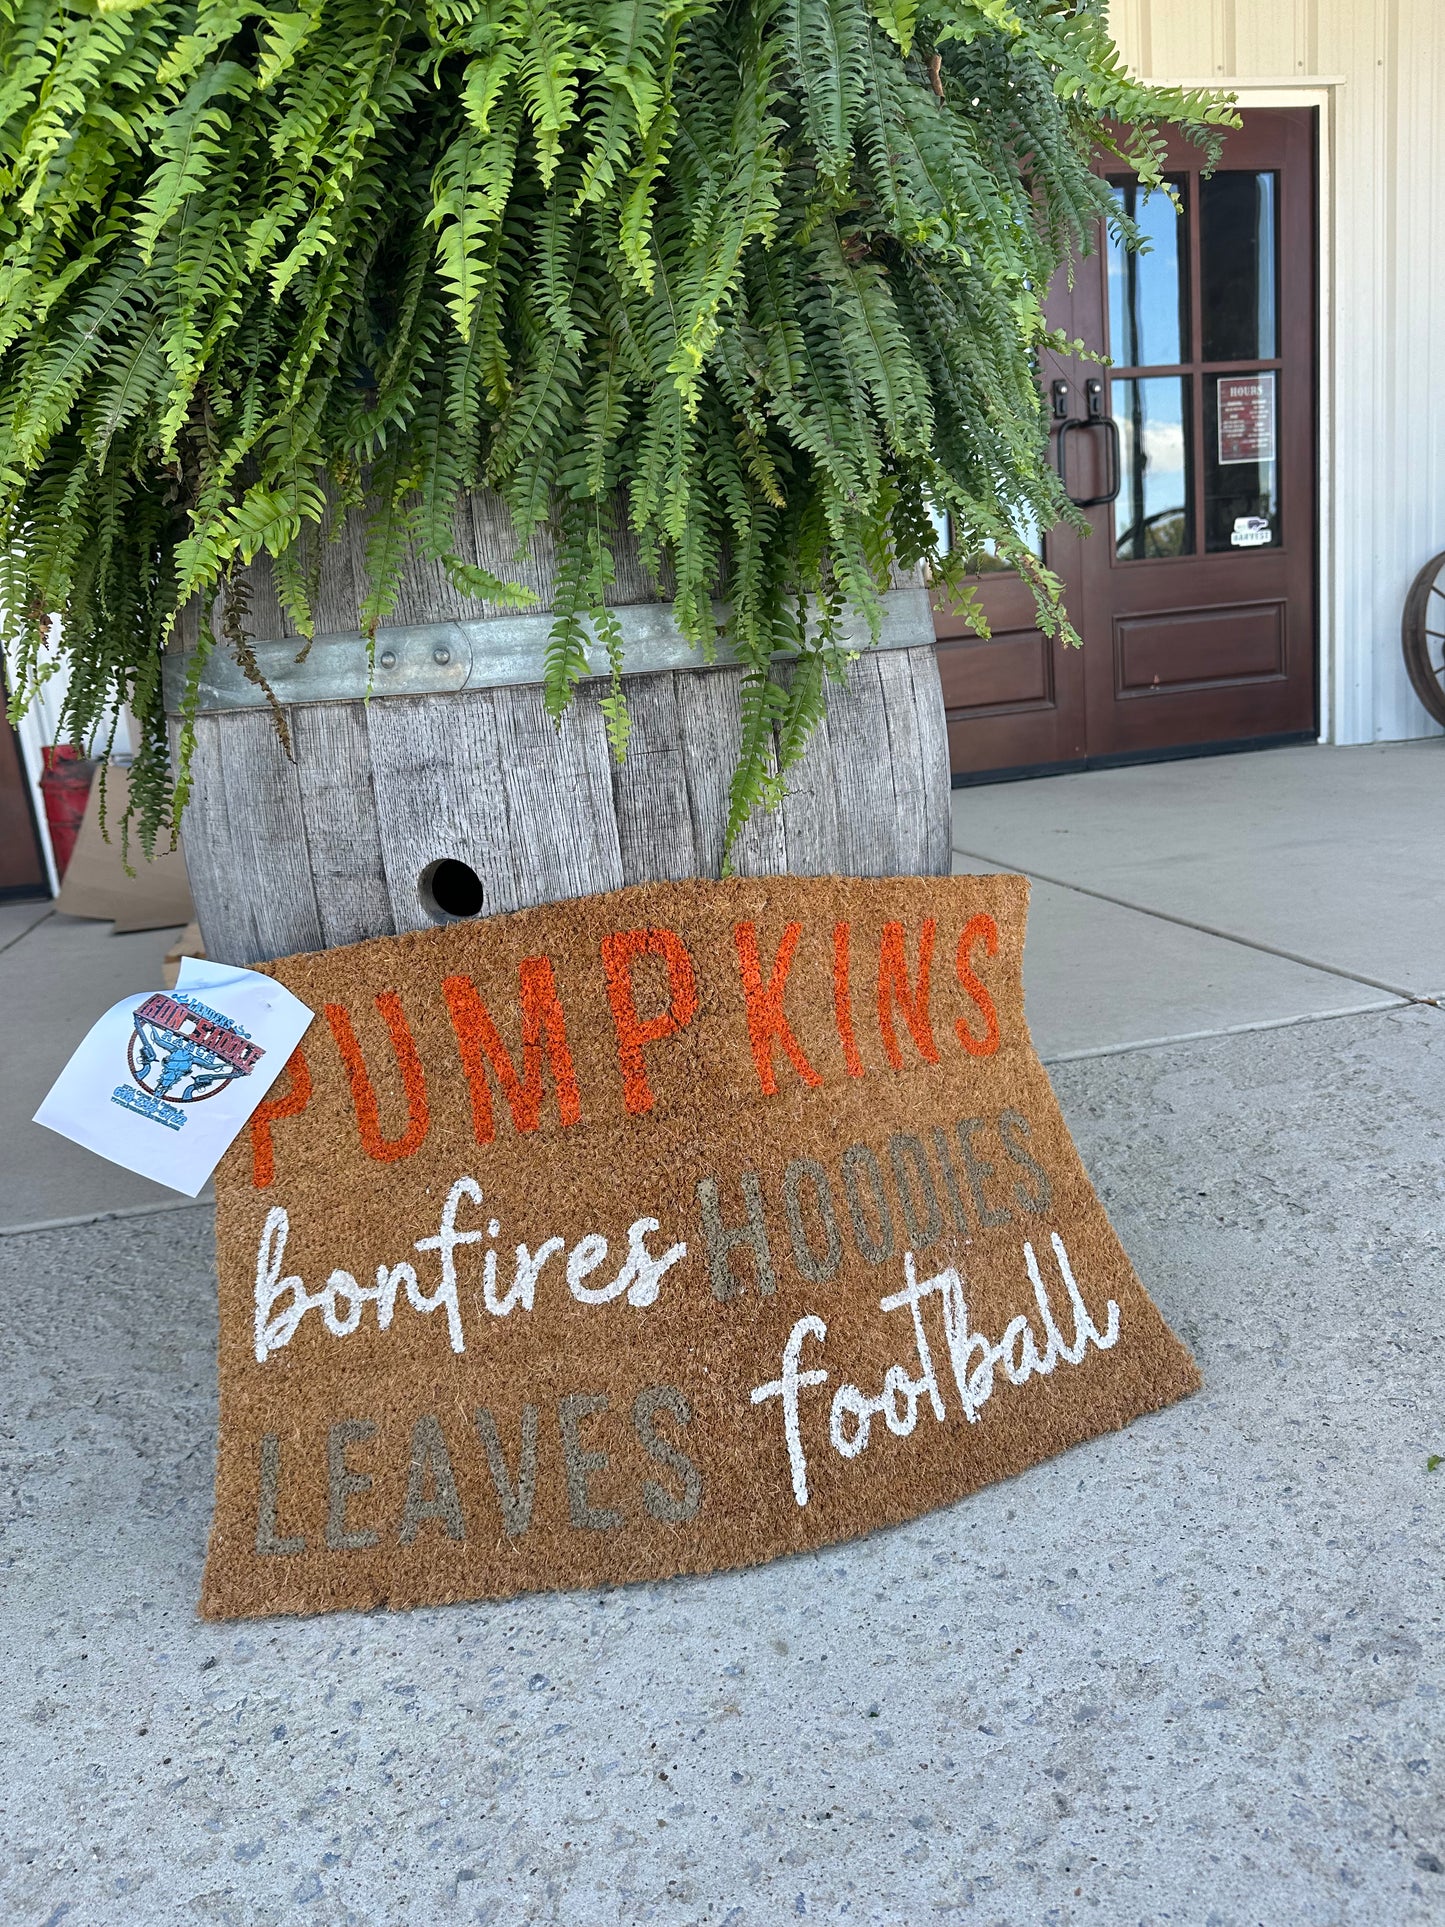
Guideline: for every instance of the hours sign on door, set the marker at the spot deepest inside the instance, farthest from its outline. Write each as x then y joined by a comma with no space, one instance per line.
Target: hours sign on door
1246,418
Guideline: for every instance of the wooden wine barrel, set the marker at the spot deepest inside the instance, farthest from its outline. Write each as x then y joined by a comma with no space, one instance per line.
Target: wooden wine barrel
452,759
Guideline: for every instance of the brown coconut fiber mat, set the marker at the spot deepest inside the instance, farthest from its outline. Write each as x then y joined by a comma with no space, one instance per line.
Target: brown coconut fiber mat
661,1231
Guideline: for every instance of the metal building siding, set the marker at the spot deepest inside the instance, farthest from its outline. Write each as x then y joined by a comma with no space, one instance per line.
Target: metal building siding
1384,446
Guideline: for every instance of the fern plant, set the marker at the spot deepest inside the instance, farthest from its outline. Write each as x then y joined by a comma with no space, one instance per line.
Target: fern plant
769,272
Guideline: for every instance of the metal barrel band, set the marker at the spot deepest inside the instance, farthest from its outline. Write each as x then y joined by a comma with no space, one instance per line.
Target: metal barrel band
442,657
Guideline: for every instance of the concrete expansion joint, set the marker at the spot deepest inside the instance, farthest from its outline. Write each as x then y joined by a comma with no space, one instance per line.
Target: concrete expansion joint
1401,992
1228,1030
204,1203
21,935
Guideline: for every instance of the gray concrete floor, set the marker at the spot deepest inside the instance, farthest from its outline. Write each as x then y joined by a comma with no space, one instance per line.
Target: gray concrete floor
1191,1673
1331,856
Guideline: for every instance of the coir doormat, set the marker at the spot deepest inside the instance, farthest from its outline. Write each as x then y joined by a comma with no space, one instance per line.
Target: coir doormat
662,1231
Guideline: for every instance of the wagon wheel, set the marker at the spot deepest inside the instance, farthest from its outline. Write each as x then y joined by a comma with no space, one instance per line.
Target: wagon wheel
1422,635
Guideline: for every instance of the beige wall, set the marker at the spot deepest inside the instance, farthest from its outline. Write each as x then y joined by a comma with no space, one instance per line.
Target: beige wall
1378,67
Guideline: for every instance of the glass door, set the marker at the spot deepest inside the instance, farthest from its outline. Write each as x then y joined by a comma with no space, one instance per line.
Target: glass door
1195,591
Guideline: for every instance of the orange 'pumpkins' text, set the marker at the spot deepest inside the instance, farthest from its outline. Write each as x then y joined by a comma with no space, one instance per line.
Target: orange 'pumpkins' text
894,997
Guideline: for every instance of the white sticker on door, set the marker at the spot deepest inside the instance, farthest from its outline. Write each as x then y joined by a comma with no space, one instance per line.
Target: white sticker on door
1250,532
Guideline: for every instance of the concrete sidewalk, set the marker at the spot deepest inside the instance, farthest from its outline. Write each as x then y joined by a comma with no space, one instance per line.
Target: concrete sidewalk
1223,893
1190,1673
1331,858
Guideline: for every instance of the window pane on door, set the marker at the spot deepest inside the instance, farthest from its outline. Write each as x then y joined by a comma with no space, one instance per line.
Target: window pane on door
1154,513
1241,466
1146,290
1237,265
981,556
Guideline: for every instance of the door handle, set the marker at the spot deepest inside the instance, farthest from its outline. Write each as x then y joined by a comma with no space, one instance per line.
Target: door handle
1096,418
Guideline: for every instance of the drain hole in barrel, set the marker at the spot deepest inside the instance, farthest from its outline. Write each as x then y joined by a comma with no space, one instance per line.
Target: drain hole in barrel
450,890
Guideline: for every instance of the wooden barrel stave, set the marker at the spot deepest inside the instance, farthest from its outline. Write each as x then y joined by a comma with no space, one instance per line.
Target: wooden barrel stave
326,849
326,846
426,593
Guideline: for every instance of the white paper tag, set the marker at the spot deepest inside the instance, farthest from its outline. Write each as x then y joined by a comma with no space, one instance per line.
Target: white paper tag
165,1083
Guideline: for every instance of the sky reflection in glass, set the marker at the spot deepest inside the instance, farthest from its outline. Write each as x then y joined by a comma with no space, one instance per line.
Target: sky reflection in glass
1146,291
1154,513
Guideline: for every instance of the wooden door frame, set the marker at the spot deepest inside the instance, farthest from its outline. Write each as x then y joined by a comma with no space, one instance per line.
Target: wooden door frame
1320,92
1333,664
1255,694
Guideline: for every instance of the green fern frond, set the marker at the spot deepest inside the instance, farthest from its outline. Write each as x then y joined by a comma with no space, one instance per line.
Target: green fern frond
764,276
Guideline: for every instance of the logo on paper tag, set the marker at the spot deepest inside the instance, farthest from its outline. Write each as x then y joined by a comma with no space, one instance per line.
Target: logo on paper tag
181,1053
222,1033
